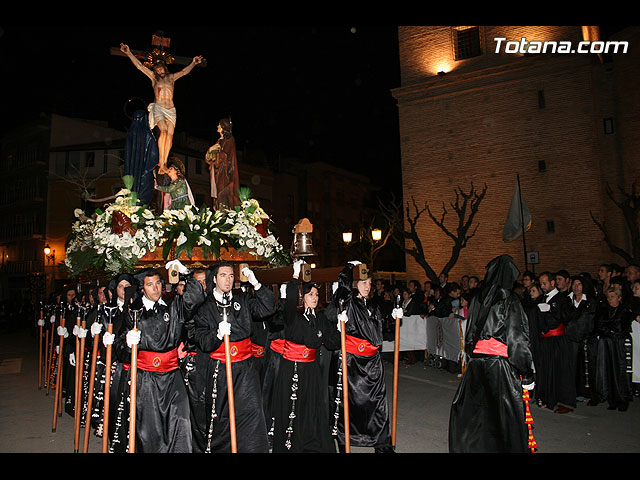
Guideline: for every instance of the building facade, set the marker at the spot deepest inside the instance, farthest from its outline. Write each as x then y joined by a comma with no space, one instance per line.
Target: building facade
565,123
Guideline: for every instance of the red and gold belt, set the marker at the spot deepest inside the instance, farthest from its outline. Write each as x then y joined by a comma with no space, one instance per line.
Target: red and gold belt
156,361
491,347
298,353
358,346
238,351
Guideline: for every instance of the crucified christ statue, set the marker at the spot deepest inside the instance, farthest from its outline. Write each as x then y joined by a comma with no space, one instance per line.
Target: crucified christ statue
162,113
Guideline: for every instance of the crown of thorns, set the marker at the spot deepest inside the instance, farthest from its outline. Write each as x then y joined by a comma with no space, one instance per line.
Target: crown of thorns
158,57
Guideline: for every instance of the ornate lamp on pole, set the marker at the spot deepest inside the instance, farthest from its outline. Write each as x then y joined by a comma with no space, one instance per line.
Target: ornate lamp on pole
50,254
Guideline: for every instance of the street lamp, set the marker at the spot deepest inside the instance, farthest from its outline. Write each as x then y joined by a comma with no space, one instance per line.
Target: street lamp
347,237
51,255
376,234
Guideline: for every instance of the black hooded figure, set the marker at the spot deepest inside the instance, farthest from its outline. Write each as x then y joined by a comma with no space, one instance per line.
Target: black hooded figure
141,155
488,412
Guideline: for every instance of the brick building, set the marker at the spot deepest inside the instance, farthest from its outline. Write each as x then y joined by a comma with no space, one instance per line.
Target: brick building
567,124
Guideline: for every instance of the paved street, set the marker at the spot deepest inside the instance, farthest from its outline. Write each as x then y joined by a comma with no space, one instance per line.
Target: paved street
425,395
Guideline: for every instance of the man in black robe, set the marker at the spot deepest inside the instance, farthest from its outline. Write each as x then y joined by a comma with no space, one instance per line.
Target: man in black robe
555,382
230,313
162,413
487,414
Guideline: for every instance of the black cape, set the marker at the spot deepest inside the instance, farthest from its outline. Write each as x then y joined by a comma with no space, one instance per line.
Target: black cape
368,405
251,432
303,426
162,415
141,155
488,413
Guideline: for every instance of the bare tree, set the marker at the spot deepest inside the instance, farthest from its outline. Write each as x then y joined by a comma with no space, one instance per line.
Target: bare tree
465,206
630,206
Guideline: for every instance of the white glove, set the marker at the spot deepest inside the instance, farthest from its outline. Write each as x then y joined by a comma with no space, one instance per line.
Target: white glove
251,277
297,265
63,332
342,318
397,313
224,328
52,319
96,328
530,386
544,307
334,287
133,337
72,359
181,268
355,262
82,332
107,339
41,323
75,330
283,290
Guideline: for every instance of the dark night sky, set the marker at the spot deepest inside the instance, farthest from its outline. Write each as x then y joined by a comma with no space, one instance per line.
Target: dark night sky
319,93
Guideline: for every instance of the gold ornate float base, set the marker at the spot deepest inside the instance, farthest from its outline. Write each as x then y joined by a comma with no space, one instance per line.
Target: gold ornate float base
155,259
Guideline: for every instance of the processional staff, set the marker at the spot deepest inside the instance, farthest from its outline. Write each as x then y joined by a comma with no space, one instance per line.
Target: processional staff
96,327
52,321
40,366
57,403
108,341
80,333
398,313
231,400
342,319
133,376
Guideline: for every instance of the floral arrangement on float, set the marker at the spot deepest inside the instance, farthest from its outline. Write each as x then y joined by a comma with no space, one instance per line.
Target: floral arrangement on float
117,238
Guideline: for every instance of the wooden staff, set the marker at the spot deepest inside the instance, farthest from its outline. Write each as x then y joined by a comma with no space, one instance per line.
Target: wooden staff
78,384
345,391
396,363
46,360
107,385
40,366
345,384
133,375
58,393
463,365
232,408
92,374
77,413
50,347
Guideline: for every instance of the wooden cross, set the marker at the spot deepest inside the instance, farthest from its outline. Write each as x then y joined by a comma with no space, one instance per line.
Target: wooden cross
159,43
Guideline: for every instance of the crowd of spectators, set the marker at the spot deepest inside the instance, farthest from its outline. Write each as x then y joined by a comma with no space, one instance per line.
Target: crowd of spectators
584,329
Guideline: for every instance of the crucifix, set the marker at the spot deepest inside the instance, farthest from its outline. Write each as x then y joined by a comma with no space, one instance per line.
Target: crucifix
162,112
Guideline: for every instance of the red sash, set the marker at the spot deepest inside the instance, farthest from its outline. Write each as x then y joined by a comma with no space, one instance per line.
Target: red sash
278,345
491,347
258,350
156,361
298,353
555,332
238,351
358,346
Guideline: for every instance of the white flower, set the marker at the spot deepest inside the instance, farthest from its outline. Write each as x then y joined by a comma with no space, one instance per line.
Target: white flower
181,239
